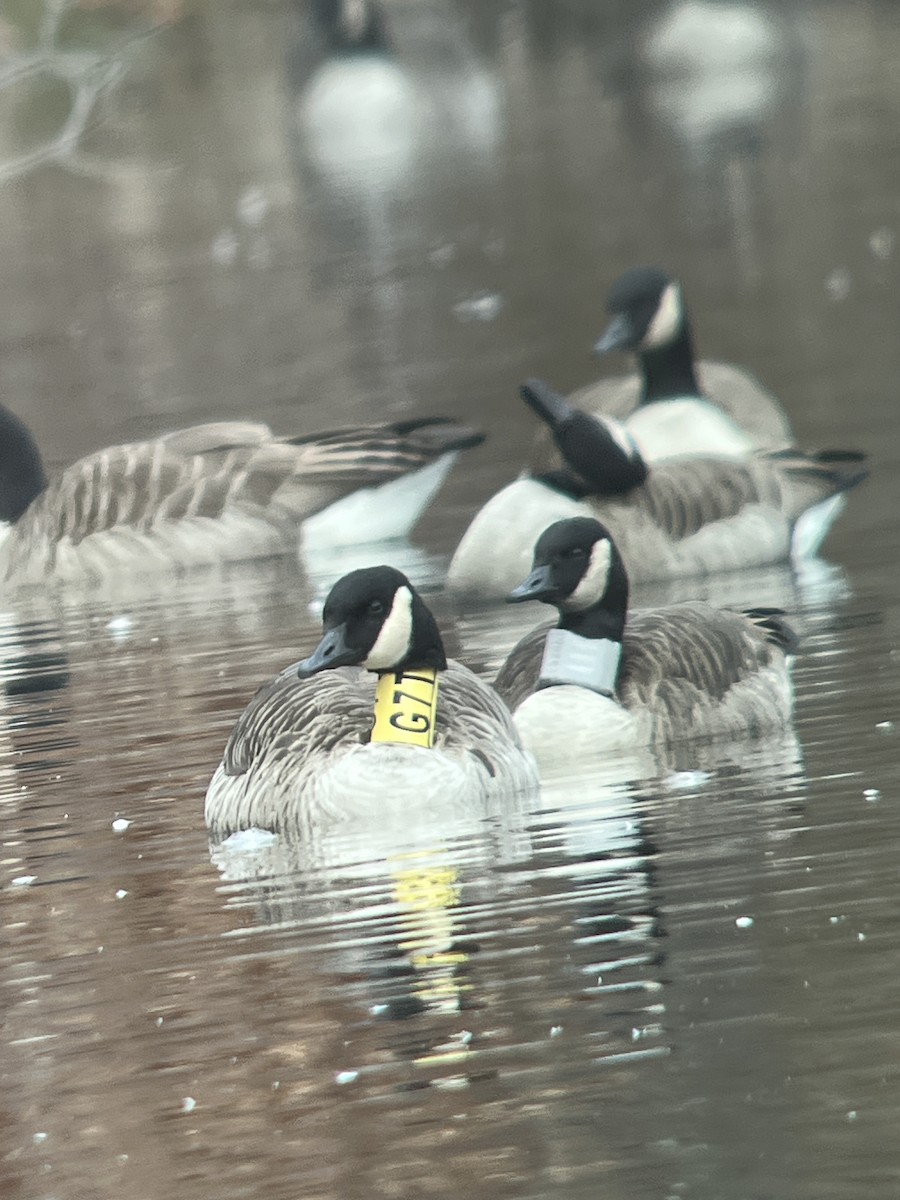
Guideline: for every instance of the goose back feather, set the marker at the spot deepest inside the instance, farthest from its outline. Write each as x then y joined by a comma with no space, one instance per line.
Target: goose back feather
692,516
211,493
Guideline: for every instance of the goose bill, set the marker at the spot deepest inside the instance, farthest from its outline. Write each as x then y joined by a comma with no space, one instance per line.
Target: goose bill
332,651
618,335
538,586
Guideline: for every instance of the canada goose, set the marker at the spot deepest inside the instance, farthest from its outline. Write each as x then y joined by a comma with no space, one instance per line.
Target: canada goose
429,731
667,409
605,678
684,516
214,493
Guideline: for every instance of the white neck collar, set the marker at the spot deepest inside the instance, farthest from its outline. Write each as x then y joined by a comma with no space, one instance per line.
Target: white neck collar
591,663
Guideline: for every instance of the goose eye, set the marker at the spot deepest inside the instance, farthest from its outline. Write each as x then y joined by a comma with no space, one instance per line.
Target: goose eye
375,607
576,552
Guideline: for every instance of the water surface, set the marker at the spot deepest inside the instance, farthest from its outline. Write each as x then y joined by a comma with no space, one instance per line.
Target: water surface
675,985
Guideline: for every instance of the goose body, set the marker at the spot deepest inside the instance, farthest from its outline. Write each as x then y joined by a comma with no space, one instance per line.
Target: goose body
644,678
303,753
684,516
674,405
214,493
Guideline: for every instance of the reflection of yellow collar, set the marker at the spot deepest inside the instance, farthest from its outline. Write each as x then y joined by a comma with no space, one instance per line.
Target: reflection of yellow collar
406,707
429,893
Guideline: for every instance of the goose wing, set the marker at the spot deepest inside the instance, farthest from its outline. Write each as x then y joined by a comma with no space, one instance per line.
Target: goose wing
293,716
698,670
518,676
201,471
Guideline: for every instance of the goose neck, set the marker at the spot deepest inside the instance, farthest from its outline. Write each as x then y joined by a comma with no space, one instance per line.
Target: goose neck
669,371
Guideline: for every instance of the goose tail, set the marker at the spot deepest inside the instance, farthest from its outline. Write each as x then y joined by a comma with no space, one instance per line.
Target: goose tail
776,628
813,488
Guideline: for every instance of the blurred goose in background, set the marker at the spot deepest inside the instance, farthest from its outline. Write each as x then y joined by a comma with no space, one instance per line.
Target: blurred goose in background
214,493
674,405
718,68
605,678
327,739
682,516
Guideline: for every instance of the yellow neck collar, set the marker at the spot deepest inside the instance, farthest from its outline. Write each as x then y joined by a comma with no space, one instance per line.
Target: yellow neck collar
406,707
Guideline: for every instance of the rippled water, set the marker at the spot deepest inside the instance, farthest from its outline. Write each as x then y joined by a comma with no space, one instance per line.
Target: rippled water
676,986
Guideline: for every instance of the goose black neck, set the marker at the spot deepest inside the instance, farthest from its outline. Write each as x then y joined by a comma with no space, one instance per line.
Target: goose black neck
605,619
668,371
22,477
426,647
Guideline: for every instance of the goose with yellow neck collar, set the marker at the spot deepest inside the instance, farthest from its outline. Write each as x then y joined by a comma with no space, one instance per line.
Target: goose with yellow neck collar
608,679
376,716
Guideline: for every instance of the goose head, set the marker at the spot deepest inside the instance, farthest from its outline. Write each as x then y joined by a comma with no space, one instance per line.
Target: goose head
646,310
352,25
375,618
598,449
578,569
22,477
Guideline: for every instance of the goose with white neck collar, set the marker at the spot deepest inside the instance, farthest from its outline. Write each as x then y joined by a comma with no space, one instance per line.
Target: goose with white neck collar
674,405
376,717
605,678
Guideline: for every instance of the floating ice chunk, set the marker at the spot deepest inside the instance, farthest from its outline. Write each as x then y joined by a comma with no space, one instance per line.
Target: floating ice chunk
252,206
343,1077
188,1104
837,285
744,922
246,841
120,824
881,243
23,880
224,248
483,306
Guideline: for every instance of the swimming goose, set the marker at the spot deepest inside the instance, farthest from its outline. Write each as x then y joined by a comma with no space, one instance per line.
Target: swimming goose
606,678
684,516
214,493
390,723
675,406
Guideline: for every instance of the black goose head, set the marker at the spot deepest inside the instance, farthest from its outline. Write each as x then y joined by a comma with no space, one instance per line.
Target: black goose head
375,618
22,477
647,312
578,569
352,26
600,452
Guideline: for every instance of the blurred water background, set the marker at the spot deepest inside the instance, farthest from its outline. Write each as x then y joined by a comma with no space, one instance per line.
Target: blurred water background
681,987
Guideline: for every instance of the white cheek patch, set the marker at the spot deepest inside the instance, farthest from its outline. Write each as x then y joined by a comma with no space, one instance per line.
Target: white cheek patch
666,321
594,580
393,641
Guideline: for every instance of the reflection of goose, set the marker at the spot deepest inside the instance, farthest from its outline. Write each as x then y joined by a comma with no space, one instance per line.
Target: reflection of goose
320,739
715,66
685,516
214,493
607,678
369,113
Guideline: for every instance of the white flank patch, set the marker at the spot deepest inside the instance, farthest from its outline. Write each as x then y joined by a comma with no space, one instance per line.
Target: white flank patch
594,580
666,321
378,513
5,527
812,526
392,644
